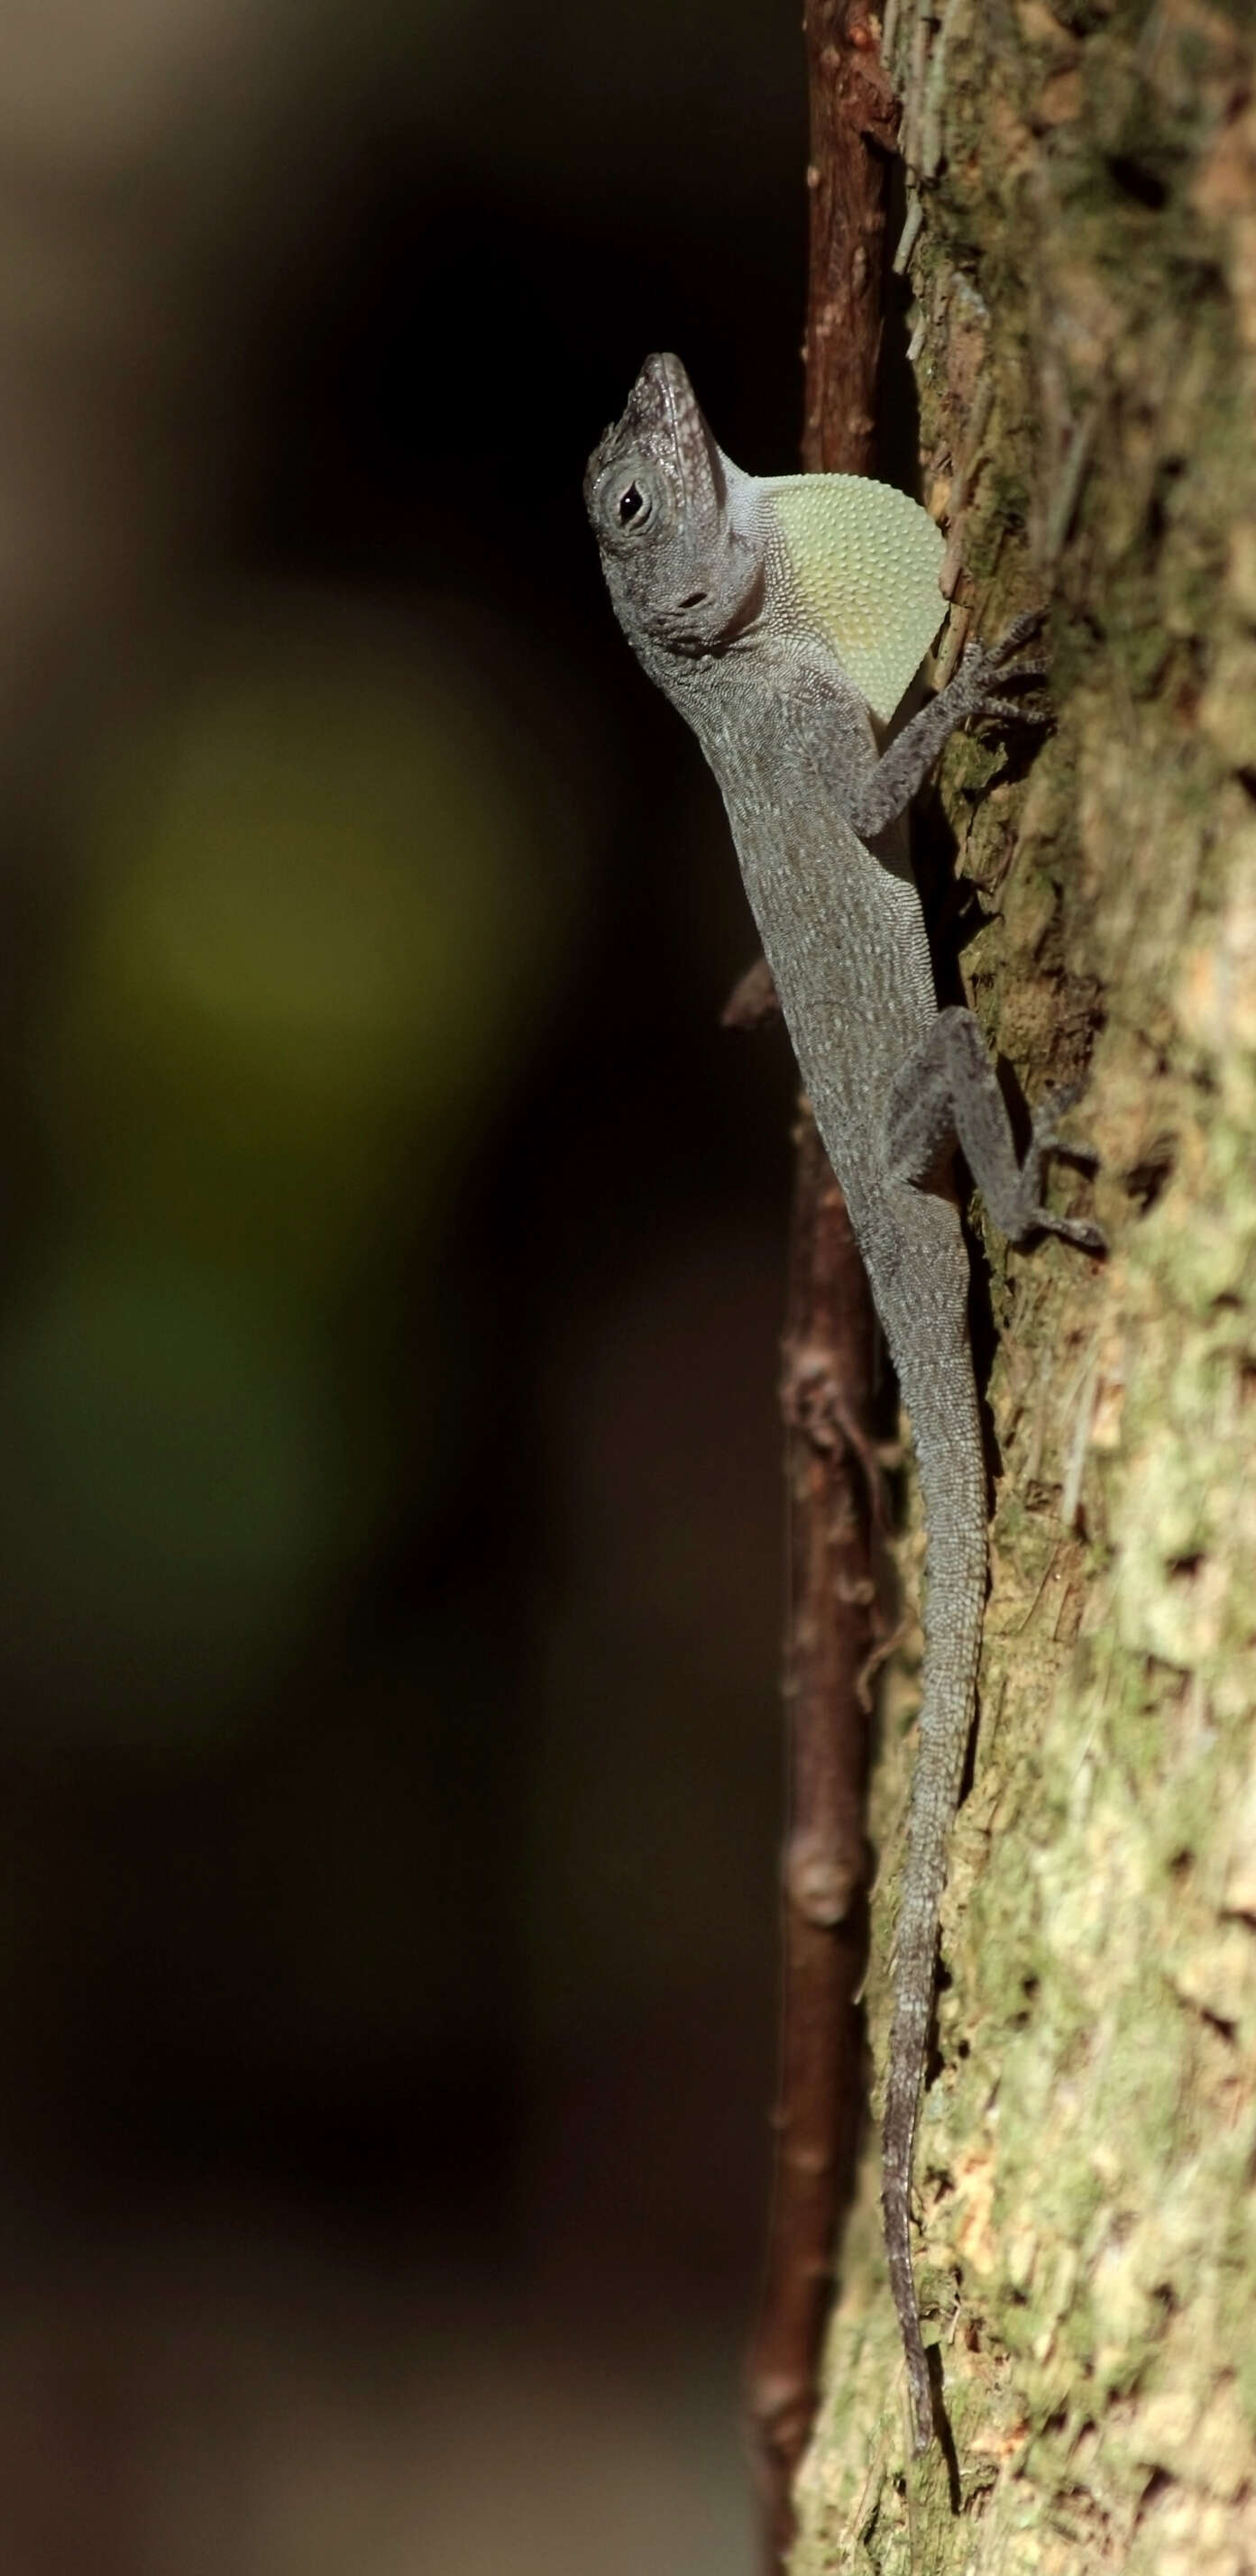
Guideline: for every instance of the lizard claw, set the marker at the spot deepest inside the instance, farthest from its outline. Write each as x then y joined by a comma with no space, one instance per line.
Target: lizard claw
1077,1229
1013,711
986,669
1030,622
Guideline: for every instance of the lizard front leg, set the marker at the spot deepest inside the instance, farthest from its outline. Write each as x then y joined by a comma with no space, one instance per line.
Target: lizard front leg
975,689
947,1092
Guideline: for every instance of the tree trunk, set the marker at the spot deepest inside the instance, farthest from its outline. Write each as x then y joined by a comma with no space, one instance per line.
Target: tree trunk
1084,275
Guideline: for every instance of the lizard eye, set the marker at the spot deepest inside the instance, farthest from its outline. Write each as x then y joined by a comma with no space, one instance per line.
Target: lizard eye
634,506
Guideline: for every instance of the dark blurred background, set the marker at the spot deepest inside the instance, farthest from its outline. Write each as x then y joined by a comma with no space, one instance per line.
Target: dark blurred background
393,1254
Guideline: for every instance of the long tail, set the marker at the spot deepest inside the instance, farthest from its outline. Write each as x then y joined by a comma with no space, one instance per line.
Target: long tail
941,1400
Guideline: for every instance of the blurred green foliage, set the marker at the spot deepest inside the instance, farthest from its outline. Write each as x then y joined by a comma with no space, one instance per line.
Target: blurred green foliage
326,895
328,890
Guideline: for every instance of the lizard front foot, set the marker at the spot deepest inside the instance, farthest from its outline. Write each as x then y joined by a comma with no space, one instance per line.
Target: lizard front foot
986,670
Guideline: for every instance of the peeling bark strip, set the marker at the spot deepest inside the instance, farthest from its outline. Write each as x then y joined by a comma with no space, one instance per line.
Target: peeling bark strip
829,1365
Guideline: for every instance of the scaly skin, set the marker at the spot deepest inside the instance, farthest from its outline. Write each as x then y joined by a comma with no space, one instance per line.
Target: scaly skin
704,571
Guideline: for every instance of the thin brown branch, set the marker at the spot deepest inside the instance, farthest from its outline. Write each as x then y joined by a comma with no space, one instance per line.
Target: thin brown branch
854,124
752,1001
827,1403
831,1645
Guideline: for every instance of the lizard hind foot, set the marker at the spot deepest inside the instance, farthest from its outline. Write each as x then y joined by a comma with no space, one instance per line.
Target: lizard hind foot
1045,1141
947,1092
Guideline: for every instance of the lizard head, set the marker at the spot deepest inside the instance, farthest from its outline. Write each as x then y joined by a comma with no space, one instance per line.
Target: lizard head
678,567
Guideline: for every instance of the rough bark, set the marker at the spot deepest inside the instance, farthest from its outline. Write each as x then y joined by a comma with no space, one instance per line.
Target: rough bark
1085,332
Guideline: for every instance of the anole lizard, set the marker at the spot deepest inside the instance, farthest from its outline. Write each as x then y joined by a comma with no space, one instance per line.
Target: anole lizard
785,618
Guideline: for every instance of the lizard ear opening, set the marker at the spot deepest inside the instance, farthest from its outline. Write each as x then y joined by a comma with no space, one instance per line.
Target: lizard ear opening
865,561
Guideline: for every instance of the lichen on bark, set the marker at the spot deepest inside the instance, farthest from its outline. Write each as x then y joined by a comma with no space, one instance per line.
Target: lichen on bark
1085,274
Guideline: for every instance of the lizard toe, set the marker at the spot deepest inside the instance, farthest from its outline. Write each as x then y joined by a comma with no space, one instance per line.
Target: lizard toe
1013,710
1030,622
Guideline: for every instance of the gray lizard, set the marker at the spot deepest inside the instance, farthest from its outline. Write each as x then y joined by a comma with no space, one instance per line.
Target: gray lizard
786,618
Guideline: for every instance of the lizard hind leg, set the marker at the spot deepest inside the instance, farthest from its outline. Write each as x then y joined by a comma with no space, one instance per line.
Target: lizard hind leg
948,1092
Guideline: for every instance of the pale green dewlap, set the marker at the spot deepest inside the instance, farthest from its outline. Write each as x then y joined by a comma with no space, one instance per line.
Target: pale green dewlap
866,562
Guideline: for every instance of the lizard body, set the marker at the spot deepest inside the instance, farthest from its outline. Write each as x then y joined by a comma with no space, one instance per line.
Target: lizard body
785,619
